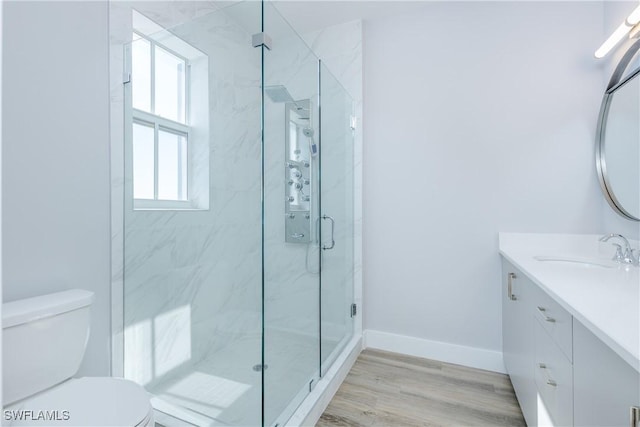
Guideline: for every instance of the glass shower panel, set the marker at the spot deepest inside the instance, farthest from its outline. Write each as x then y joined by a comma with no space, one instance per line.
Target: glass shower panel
193,264
291,208
336,174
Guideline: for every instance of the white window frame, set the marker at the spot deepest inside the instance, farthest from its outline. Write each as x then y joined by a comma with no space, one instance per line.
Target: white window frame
160,123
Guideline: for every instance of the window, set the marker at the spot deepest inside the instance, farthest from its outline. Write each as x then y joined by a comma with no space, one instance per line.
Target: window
160,131
166,120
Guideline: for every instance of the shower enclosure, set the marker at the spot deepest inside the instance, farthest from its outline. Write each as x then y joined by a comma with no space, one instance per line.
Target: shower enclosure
238,217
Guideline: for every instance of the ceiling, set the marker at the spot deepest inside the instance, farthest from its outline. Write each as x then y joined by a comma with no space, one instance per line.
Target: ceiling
310,15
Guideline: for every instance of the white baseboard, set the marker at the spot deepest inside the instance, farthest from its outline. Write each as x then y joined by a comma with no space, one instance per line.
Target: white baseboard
473,357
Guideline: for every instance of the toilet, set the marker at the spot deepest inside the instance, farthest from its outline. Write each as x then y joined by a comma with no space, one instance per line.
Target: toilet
44,340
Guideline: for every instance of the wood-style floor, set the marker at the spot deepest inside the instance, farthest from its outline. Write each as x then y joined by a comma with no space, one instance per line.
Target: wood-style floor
388,389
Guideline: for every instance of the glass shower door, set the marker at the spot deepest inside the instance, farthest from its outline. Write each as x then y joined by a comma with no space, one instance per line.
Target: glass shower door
291,265
192,215
336,201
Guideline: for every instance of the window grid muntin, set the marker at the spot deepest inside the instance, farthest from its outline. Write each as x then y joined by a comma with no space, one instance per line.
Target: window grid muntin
183,178
151,119
151,127
187,76
181,89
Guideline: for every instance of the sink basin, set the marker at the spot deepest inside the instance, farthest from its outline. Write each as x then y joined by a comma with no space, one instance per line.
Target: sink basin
580,261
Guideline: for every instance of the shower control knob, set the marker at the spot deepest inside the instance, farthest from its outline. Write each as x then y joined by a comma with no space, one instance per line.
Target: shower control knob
290,182
291,165
298,186
297,174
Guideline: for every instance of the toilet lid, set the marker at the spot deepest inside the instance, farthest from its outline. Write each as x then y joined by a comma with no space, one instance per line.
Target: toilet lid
89,401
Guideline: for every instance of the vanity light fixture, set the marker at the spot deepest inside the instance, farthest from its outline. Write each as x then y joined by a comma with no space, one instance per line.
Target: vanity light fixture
629,26
633,33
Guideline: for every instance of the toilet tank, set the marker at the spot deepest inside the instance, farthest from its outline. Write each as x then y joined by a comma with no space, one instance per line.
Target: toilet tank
44,339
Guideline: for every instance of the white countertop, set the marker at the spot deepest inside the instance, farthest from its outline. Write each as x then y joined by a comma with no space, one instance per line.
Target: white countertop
605,300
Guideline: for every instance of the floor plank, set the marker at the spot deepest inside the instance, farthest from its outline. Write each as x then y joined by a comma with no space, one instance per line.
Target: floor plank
389,389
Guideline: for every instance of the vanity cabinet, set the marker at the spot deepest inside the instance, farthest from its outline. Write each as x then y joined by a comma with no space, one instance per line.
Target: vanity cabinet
562,374
517,338
605,386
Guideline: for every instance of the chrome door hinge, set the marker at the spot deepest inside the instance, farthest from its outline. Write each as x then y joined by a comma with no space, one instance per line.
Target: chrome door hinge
261,39
354,310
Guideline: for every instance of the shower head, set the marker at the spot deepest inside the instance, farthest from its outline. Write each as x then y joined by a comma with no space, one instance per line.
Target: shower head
278,94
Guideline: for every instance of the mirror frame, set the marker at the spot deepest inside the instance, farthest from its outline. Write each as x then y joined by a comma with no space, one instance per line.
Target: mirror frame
618,79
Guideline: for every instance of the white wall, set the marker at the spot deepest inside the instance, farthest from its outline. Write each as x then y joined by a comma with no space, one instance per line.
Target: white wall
614,14
55,169
1,8
479,117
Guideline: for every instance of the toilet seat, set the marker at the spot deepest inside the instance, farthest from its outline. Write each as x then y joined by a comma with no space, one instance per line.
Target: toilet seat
90,401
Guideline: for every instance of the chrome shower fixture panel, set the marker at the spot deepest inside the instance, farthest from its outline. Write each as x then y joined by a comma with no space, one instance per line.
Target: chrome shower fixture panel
298,167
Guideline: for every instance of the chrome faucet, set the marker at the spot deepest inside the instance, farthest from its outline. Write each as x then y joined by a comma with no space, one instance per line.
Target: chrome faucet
625,256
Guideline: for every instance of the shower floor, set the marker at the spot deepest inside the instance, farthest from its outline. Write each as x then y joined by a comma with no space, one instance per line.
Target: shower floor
226,389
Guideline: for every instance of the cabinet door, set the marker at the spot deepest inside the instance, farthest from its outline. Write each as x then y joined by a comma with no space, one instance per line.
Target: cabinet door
517,338
604,385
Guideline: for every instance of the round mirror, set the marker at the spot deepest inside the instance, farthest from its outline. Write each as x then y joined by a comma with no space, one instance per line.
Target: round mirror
618,139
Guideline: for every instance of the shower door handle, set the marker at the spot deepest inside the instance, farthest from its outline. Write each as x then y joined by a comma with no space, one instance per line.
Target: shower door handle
333,227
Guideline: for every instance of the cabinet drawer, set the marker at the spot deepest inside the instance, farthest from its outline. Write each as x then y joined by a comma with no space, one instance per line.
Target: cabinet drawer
555,320
554,381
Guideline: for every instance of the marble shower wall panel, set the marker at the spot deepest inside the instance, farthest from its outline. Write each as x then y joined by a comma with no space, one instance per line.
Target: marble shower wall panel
231,300
195,274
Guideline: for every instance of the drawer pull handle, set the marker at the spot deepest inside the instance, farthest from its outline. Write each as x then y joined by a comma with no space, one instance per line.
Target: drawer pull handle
546,318
634,416
550,382
510,294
